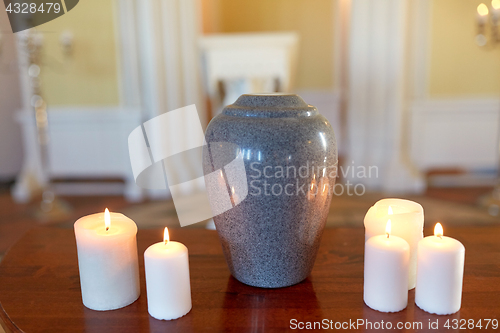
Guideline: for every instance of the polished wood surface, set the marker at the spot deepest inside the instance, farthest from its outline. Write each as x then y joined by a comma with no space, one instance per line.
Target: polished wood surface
40,288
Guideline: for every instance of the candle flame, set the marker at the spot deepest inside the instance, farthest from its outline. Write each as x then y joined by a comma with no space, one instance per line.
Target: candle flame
438,230
221,174
166,236
389,211
388,228
232,189
495,4
107,219
482,9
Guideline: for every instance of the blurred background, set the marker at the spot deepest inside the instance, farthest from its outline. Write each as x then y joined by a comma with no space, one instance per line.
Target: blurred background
409,86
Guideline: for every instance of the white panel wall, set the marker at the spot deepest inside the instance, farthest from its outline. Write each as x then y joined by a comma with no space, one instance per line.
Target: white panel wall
85,143
455,133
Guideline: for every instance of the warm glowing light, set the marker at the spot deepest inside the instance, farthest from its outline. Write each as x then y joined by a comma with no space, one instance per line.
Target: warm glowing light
388,228
221,175
324,188
495,4
232,190
438,230
389,211
166,236
107,219
482,9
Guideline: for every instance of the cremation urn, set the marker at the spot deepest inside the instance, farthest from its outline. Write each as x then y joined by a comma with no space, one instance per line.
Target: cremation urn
272,161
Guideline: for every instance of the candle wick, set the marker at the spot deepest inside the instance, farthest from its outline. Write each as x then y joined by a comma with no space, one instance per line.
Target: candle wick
387,235
107,228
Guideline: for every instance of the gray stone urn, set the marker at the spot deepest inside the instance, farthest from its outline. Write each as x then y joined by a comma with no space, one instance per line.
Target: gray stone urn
275,157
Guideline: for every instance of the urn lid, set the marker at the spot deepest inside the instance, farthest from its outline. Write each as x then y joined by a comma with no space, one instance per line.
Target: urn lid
272,105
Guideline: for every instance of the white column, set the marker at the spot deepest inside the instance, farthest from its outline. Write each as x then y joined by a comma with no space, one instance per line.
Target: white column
170,64
378,94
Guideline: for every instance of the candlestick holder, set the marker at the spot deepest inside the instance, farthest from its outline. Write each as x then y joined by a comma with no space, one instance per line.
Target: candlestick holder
50,209
488,35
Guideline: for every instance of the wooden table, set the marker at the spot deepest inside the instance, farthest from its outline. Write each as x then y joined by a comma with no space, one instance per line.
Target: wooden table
40,288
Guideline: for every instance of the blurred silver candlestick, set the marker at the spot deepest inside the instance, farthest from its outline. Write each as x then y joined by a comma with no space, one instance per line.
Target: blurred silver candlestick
488,21
51,209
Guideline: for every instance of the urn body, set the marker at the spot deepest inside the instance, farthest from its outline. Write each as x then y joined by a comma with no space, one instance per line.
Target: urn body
280,199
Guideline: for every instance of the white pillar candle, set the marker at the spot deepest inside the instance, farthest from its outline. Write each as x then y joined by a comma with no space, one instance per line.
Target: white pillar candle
386,272
440,273
407,222
167,279
107,259
482,14
495,10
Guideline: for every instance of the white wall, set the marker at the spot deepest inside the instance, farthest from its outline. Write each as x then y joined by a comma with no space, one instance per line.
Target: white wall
10,101
393,121
455,133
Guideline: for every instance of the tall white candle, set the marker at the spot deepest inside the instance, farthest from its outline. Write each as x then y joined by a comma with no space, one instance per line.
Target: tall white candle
407,222
440,273
167,279
107,259
386,272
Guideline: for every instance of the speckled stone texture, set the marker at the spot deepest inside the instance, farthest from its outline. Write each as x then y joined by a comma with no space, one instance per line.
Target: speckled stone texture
271,237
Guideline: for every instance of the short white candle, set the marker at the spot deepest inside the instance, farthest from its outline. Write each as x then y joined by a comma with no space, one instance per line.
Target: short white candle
107,259
407,222
386,272
167,279
440,273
